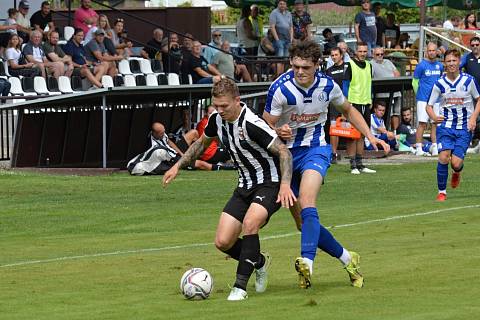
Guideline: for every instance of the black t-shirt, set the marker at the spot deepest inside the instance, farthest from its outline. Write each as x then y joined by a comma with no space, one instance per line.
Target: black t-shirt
153,46
408,131
337,73
39,19
472,66
380,24
197,63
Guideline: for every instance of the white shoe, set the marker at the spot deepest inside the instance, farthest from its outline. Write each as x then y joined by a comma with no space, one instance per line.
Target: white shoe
355,171
420,153
434,150
366,170
237,294
474,149
261,275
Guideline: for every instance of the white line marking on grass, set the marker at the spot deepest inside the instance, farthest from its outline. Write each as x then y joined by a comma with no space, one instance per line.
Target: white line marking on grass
194,245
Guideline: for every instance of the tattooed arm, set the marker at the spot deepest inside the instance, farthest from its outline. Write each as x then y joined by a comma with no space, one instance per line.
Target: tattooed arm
189,157
285,195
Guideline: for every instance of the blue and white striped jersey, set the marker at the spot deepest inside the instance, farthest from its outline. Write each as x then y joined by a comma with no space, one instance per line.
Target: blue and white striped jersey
375,124
303,109
456,99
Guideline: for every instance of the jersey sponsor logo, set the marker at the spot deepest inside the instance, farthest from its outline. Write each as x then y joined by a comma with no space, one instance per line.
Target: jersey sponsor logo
455,101
304,117
429,73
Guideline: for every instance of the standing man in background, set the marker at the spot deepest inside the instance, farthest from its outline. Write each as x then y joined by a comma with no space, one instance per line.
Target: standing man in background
301,21
365,26
282,30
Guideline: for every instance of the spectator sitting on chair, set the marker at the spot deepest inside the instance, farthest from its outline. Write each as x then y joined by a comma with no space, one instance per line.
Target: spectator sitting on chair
33,53
4,88
97,53
377,127
211,50
225,64
16,67
55,54
406,128
122,45
201,71
153,49
172,55
43,18
82,67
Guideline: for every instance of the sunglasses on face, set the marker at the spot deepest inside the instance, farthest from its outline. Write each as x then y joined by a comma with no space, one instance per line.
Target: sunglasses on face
474,44
379,54
217,35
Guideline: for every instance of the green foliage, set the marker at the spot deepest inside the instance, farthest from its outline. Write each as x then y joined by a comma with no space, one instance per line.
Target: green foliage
186,4
333,18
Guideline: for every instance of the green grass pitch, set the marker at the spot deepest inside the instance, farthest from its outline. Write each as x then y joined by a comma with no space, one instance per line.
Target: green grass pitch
115,247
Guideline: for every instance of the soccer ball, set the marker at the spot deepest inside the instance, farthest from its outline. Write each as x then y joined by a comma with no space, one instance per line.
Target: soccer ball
196,284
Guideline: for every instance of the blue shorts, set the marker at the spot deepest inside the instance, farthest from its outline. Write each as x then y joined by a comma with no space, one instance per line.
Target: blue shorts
307,158
456,140
281,48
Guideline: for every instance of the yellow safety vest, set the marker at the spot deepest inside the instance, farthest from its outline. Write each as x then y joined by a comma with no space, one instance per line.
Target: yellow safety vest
360,90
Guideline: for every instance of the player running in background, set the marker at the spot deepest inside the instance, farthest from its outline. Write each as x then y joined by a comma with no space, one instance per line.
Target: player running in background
457,120
264,175
297,106
426,73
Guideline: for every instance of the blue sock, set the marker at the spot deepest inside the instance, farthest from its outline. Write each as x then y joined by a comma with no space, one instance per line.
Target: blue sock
329,244
442,176
310,232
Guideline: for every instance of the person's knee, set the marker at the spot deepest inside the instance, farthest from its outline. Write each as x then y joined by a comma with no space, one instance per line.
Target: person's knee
222,243
250,226
443,157
457,163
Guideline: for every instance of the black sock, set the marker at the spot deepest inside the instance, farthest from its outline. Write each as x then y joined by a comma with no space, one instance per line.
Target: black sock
249,257
215,167
353,163
235,250
459,169
261,262
358,160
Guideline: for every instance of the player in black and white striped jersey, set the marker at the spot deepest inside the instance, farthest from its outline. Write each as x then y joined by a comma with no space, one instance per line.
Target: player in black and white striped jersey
265,171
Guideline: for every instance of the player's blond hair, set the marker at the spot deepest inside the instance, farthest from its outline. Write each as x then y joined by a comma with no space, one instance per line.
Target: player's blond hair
225,87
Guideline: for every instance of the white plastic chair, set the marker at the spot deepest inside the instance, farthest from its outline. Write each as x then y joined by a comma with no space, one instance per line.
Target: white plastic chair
146,67
68,32
151,80
124,67
40,87
173,79
107,81
190,79
16,88
129,80
64,85
5,67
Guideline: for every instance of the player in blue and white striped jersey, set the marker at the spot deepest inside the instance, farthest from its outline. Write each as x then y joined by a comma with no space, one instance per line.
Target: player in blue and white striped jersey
457,120
297,107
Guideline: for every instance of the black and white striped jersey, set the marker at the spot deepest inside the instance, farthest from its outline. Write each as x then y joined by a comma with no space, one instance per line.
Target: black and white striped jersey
163,143
247,140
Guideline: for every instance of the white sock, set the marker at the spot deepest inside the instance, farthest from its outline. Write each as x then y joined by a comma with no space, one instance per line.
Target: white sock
345,257
309,263
442,191
434,144
419,146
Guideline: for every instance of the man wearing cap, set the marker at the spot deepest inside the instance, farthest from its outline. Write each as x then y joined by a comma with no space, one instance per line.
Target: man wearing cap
85,17
82,67
97,53
301,20
23,23
42,18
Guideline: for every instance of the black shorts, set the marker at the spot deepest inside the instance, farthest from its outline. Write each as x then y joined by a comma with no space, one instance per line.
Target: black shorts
364,109
220,156
182,144
264,194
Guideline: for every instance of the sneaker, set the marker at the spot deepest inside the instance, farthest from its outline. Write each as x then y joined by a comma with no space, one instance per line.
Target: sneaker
434,150
261,275
237,294
355,171
455,180
474,149
352,268
334,158
367,170
441,196
420,153
303,273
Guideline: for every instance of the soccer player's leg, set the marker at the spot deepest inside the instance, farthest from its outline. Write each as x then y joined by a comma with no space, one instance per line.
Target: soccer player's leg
446,143
463,139
422,118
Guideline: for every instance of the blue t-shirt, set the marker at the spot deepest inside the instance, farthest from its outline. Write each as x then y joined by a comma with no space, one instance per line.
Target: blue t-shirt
367,27
427,73
76,52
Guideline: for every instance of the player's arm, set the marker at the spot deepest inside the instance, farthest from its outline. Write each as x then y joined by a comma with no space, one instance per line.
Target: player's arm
284,132
174,147
272,113
193,152
356,119
285,195
434,95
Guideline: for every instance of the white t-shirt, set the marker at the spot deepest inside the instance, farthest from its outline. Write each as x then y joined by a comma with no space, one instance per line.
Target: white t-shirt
448,25
12,54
